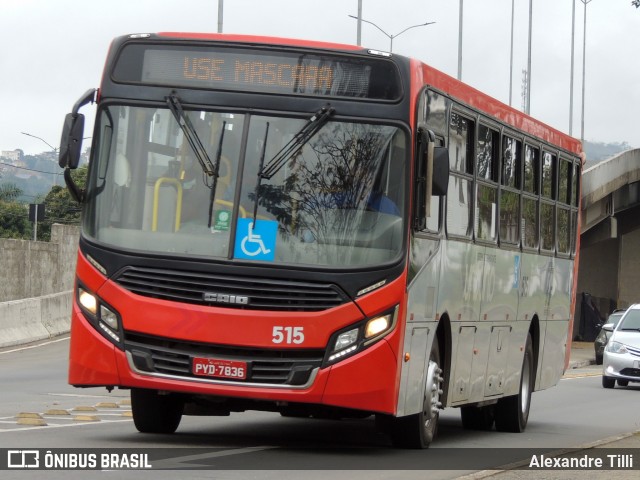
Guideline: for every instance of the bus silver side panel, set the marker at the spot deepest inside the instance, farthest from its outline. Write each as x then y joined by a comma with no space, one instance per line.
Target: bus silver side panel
491,297
460,298
559,277
420,326
545,293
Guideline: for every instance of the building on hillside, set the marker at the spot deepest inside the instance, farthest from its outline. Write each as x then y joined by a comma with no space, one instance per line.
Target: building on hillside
13,156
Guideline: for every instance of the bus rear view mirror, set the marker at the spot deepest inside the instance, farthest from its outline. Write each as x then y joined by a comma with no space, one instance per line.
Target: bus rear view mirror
432,176
72,132
440,171
71,140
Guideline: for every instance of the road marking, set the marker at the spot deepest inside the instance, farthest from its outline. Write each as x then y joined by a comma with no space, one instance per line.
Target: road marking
20,349
582,375
49,427
188,460
56,418
84,395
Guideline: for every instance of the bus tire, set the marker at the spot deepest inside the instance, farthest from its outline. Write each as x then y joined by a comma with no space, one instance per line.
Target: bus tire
512,413
477,418
419,430
154,413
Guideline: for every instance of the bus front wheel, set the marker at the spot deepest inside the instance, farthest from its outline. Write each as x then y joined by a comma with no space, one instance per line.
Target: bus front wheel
512,413
419,430
155,413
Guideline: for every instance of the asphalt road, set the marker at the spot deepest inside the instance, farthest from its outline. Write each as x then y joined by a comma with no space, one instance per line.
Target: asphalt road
264,445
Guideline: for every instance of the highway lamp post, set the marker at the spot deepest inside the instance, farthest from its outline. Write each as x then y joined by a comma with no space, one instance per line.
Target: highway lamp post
573,36
584,61
53,149
460,17
389,36
359,29
511,54
220,14
527,108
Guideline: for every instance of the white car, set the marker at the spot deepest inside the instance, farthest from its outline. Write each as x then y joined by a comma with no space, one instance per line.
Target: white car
621,360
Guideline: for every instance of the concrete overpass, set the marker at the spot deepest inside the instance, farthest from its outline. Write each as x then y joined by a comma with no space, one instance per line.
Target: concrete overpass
610,233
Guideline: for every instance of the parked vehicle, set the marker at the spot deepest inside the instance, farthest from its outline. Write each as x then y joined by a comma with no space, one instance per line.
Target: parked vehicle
621,359
605,333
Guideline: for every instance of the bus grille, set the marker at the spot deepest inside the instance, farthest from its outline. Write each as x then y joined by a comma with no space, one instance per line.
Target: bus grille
156,355
260,293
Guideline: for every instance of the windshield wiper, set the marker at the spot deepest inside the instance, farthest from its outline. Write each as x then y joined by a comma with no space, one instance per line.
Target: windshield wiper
190,134
299,140
208,167
262,152
291,149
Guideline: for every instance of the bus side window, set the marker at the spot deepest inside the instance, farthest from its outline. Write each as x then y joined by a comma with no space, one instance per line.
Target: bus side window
461,160
575,201
547,207
487,155
433,215
530,219
510,190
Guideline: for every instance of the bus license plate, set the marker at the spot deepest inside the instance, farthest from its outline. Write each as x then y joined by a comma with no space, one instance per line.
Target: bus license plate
212,367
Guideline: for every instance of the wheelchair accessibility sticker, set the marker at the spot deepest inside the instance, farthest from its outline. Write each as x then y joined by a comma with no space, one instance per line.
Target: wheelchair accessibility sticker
256,243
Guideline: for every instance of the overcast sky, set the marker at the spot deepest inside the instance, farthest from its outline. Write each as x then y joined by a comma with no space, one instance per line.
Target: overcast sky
51,51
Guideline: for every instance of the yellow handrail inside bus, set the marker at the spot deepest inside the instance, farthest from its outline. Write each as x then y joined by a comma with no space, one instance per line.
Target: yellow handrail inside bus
156,198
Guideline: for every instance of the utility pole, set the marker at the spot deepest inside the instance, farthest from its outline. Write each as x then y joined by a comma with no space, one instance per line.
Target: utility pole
220,15
528,91
525,84
460,40
573,35
511,54
359,30
584,65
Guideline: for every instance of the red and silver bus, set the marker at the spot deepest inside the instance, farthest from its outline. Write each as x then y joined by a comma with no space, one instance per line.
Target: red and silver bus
317,229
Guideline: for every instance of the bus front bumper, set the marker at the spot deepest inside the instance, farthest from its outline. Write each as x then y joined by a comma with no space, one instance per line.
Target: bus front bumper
366,381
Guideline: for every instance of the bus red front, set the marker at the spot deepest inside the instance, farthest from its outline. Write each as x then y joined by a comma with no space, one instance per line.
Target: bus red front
164,342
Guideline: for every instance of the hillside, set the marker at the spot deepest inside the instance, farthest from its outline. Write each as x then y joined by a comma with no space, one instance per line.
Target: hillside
596,151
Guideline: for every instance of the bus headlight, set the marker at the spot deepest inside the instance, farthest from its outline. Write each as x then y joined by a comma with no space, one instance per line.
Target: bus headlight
346,339
88,301
109,317
377,326
350,341
103,318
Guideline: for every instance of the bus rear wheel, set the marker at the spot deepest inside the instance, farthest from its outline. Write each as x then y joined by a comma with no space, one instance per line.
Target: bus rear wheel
419,430
512,413
155,413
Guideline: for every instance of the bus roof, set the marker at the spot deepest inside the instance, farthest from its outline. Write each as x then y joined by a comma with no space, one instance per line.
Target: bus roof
256,39
426,75
474,98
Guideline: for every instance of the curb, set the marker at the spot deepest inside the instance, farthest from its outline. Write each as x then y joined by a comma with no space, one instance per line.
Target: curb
581,363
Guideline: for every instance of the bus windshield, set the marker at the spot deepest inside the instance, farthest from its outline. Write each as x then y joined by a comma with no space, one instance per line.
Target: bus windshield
338,199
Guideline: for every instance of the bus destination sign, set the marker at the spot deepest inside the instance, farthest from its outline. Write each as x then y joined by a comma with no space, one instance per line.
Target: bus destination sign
224,68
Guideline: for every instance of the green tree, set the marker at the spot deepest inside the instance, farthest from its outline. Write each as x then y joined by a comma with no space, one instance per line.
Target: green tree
60,207
14,222
9,192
